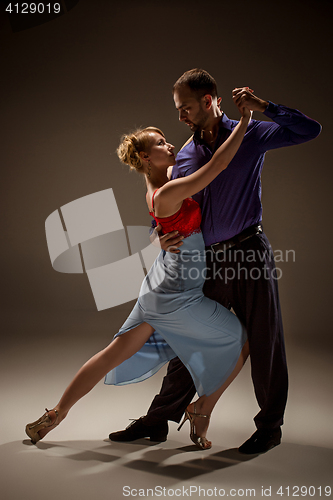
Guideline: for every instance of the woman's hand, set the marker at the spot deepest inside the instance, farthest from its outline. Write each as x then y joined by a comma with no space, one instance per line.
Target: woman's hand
246,113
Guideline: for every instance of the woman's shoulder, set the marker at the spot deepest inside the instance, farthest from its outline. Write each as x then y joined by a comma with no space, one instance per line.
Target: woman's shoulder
163,203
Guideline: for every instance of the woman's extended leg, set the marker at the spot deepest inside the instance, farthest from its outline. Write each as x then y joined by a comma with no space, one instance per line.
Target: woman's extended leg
120,349
205,404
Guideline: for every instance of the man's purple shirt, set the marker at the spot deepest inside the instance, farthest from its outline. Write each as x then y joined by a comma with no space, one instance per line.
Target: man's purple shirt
232,201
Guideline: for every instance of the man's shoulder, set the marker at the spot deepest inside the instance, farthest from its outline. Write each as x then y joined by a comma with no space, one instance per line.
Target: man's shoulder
185,159
188,142
230,124
187,150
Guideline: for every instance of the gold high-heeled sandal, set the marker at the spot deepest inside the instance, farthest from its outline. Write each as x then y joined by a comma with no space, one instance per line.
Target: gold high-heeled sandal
43,422
200,442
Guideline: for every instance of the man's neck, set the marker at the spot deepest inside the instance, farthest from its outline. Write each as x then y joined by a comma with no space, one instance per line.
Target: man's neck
210,131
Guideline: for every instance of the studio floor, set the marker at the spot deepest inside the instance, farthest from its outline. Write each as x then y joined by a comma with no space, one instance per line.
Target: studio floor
77,460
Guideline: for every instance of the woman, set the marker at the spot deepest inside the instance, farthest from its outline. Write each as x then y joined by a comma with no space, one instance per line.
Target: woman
208,338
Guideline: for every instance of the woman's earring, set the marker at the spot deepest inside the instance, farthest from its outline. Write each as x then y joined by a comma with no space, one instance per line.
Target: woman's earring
149,169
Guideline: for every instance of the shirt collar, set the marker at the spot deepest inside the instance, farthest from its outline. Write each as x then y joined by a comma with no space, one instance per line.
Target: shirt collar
225,123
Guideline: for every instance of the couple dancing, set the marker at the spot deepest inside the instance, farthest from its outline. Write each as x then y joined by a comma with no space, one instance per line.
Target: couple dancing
173,319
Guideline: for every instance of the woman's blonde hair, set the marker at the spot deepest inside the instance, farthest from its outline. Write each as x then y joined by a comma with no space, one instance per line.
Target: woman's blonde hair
132,144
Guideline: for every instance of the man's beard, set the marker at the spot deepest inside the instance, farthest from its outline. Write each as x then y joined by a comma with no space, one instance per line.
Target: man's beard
200,122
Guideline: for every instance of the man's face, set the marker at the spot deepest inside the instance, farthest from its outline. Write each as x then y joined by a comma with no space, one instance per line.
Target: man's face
192,110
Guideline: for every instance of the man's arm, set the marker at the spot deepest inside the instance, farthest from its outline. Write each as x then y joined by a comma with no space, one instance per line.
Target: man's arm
290,127
302,127
169,242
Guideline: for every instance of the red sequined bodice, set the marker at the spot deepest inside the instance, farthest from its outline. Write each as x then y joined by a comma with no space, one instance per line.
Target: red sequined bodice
186,221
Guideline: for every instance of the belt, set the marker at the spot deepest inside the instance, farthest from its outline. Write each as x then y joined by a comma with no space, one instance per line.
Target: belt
222,246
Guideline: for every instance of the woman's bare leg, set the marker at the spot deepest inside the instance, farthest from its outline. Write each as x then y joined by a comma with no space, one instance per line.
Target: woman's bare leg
205,404
95,369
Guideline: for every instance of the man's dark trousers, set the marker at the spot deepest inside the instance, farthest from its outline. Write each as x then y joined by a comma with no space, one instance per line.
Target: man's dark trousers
243,278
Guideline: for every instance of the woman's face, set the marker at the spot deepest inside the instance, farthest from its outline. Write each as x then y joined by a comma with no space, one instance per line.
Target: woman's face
160,152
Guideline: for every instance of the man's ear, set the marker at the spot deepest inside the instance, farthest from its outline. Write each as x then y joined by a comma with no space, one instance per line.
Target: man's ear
208,100
219,100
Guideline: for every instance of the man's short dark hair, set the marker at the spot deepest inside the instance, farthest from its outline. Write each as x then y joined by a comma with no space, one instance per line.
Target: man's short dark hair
199,81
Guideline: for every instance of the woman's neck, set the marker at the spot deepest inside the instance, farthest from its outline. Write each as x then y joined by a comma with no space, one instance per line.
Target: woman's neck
156,182
152,185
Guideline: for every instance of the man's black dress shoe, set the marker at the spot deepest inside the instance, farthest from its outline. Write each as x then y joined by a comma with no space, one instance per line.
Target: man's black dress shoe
261,441
138,429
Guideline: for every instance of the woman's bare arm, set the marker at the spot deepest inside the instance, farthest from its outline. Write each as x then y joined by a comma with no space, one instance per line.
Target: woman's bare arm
169,197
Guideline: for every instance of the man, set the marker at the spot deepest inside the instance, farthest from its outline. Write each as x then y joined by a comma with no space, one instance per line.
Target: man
241,272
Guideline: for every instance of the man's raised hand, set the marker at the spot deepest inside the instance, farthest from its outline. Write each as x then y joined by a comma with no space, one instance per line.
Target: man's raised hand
244,97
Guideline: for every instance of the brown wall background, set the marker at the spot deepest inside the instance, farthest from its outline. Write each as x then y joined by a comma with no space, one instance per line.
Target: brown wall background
72,86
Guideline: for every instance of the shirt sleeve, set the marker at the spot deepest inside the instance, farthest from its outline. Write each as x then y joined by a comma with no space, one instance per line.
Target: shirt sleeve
290,127
183,167
188,160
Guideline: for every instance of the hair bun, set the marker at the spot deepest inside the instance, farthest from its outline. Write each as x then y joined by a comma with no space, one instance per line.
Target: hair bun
128,153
